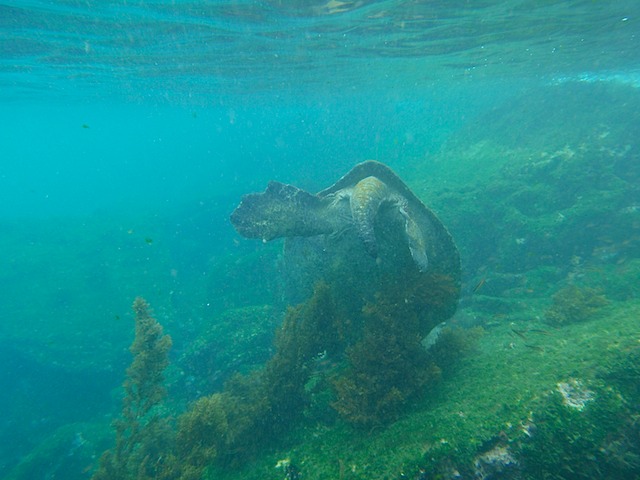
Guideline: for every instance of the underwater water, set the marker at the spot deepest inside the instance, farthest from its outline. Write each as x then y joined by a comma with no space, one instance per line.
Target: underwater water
130,132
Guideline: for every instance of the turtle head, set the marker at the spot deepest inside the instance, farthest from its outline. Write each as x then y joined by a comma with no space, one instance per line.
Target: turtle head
280,211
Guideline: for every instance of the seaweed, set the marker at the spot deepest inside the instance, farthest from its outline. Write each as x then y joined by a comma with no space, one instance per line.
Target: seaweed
141,432
202,434
574,304
381,366
228,427
308,330
387,367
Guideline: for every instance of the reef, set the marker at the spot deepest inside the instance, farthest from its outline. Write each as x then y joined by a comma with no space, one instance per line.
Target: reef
377,364
516,399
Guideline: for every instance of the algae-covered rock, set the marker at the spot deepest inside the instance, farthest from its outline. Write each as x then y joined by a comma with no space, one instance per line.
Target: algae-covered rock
74,447
572,439
236,340
574,304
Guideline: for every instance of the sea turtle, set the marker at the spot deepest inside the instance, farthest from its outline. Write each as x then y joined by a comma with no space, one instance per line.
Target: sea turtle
370,198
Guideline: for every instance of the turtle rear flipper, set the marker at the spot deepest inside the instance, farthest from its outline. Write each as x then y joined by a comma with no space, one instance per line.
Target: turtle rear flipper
280,211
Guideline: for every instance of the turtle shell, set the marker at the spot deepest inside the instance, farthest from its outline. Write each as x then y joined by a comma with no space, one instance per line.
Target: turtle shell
441,249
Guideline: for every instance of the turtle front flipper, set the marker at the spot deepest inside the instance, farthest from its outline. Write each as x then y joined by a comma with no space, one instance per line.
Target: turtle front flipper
415,239
366,198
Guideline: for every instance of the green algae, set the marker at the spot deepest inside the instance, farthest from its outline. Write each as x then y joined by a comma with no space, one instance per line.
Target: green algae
501,392
569,442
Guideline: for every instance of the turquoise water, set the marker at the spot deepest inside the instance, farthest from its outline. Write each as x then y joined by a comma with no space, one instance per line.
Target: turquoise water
130,130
